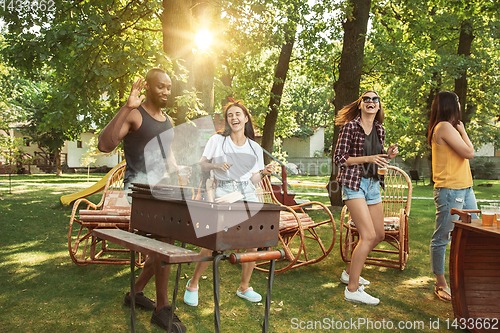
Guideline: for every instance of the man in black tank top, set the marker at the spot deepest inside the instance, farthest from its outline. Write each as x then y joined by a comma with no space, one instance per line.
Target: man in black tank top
138,123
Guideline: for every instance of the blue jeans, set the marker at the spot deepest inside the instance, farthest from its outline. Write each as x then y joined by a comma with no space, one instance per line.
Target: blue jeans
446,199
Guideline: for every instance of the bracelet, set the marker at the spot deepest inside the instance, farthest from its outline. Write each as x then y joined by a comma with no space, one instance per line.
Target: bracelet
262,175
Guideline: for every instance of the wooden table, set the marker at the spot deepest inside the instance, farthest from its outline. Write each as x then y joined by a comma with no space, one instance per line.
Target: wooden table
475,276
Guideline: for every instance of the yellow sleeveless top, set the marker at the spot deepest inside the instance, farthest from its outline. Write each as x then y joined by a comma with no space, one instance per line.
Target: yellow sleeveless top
449,169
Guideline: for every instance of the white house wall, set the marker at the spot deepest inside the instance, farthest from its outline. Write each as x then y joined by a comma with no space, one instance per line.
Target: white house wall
33,147
75,154
486,150
317,142
298,147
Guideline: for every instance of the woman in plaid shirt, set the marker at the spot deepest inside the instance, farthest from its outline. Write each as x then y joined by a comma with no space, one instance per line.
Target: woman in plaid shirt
359,153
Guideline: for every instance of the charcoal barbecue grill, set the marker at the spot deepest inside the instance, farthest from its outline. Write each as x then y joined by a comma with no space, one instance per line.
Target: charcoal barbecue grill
171,213
166,212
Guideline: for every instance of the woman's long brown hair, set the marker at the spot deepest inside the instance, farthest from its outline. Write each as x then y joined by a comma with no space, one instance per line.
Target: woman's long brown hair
445,107
249,131
351,111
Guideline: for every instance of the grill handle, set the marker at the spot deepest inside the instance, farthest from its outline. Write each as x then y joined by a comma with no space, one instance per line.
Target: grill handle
236,258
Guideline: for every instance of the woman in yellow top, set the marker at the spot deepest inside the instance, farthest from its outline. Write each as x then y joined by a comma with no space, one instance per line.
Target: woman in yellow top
451,152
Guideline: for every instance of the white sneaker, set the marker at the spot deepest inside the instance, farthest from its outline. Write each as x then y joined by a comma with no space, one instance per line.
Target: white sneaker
344,278
360,296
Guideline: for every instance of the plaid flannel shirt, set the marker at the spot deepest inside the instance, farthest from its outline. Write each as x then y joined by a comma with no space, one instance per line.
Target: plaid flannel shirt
351,142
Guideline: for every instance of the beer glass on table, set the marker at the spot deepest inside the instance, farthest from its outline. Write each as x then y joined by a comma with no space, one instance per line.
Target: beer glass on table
488,215
496,207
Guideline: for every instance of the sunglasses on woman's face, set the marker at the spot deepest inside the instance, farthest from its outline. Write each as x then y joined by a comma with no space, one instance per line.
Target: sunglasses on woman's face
367,99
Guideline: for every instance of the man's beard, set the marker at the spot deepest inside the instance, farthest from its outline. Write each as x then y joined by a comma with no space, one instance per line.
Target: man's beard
160,103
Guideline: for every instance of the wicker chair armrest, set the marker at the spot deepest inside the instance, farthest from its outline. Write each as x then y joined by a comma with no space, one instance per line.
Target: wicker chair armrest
76,205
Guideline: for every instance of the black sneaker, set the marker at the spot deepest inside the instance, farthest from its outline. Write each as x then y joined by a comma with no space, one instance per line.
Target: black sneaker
140,301
161,319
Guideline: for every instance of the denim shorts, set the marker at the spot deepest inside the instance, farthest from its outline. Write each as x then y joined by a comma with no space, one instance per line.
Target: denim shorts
369,189
246,188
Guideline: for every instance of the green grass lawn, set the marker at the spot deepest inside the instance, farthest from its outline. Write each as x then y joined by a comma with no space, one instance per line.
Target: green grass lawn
44,291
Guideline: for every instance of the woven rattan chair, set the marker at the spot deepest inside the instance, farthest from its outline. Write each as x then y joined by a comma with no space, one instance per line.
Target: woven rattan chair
396,201
299,233
113,211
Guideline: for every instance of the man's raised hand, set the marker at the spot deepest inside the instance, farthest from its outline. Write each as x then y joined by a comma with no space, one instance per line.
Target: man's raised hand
135,99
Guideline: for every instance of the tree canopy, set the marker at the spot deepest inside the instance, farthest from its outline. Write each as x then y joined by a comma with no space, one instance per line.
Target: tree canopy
69,69
413,53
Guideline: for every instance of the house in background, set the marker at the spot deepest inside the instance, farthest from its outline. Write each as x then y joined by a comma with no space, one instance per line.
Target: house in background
74,151
305,147
28,146
487,150
71,153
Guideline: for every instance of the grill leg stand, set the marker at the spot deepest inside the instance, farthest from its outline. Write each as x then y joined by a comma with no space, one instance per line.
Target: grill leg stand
268,297
217,258
172,305
176,288
132,291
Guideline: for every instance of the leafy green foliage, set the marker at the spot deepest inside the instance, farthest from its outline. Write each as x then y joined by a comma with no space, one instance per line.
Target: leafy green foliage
412,53
87,53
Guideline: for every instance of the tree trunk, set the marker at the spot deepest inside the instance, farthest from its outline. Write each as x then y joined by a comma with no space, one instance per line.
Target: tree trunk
204,69
176,25
204,62
177,44
433,90
277,91
227,80
58,162
347,86
464,47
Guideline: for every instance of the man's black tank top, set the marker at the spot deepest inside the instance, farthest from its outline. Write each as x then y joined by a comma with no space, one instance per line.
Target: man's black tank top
146,150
